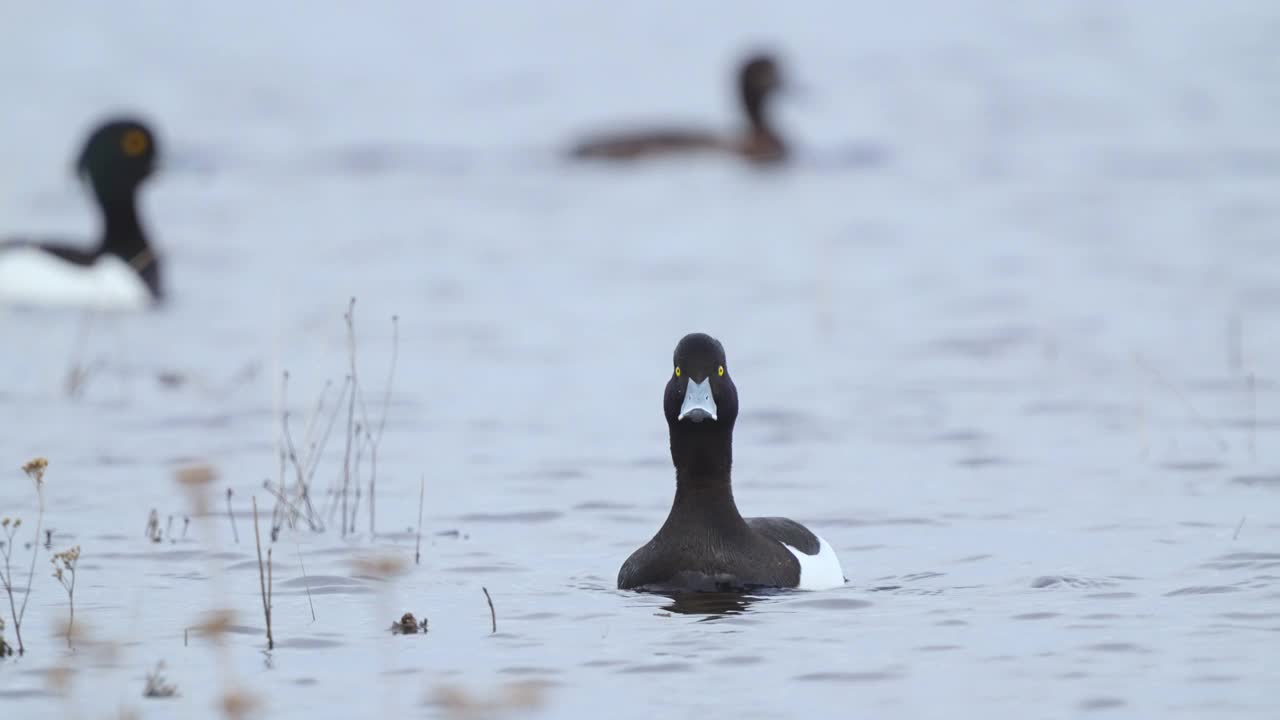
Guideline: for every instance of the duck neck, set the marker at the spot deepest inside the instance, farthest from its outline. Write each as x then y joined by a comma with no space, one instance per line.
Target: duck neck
122,233
753,103
704,490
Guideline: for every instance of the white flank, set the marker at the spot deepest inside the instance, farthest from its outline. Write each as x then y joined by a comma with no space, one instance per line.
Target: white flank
33,277
821,571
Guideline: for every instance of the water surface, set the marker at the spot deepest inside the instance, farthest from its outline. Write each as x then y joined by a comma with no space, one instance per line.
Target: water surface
1003,335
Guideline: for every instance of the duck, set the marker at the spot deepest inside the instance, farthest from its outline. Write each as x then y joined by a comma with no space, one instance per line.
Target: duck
759,79
123,271
706,545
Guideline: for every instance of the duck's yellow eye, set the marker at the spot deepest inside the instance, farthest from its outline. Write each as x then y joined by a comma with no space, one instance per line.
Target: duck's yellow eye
720,372
134,143
677,371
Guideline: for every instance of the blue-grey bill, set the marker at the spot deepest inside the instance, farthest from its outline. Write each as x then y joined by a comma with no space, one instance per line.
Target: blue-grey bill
698,403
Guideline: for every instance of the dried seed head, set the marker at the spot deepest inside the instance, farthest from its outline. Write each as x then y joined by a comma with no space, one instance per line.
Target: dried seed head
195,480
59,678
216,623
35,469
380,566
238,703
78,632
196,475
513,697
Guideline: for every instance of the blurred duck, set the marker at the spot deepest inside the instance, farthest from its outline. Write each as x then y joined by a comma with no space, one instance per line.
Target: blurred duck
122,272
758,79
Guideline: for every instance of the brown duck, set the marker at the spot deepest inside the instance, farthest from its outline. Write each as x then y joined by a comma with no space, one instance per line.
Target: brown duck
758,79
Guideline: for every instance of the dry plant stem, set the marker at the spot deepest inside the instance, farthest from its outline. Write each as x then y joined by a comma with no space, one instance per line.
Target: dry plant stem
288,450
305,581
1236,535
71,608
355,475
282,501
417,551
31,574
234,532
382,422
17,628
317,450
1253,417
309,442
373,480
77,375
279,515
64,564
156,686
1204,423
284,414
493,616
262,581
308,437
8,586
313,462
351,410
303,489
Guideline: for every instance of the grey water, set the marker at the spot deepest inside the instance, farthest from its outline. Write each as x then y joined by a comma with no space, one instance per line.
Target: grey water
1004,334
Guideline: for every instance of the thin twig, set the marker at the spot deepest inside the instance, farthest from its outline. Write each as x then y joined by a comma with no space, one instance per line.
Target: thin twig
308,436
64,570
355,475
1253,417
289,450
6,547
316,453
417,552
351,410
309,441
493,616
303,490
306,582
1186,403
262,581
373,480
35,549
317,450
231,516
382,422
152,532
1236,535
280,499
77,372
281,410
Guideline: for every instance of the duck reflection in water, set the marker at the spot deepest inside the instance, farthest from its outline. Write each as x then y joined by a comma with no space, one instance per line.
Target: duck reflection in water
711,604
